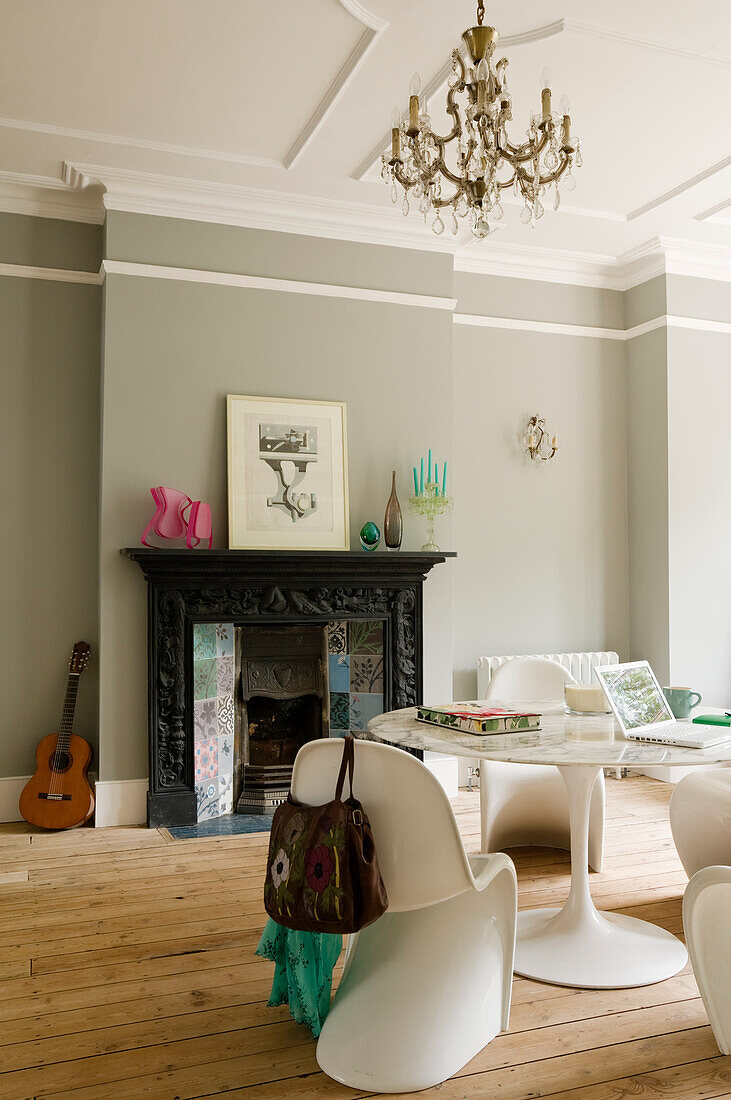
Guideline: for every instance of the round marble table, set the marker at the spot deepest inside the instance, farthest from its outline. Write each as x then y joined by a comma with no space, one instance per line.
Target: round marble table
576,945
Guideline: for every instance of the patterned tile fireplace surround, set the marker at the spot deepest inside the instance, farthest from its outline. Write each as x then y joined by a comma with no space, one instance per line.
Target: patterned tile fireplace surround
202,609
355,695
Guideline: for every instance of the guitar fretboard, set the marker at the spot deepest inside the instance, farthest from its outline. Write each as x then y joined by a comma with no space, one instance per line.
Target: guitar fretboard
67,716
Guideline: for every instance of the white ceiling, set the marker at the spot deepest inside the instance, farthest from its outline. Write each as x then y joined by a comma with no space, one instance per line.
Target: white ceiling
259,98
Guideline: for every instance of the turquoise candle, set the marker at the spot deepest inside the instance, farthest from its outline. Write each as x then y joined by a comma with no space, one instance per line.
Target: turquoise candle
416,484
421,478
429,474
444,479
436,478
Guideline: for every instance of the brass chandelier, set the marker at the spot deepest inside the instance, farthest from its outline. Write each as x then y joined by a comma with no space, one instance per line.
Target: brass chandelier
484,162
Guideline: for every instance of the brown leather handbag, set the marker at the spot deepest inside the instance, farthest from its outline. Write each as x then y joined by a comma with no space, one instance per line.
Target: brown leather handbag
322,874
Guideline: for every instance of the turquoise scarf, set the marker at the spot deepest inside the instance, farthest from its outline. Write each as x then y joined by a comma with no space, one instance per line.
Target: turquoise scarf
303,971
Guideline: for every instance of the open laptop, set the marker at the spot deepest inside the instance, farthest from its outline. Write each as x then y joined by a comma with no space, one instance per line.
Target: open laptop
644,713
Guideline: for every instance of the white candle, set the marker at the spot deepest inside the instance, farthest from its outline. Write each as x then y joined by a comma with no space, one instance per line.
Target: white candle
585,699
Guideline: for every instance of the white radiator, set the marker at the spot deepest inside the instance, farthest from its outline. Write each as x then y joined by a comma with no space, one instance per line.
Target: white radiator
580,665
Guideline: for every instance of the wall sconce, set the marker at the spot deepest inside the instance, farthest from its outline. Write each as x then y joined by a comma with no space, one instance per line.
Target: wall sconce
536,440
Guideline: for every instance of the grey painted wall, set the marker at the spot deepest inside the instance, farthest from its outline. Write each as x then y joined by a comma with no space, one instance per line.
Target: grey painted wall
699,509
49,427
542,547
49,242
545,562
647,428
172,352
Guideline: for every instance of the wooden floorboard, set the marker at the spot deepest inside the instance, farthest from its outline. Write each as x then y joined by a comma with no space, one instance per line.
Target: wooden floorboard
127,971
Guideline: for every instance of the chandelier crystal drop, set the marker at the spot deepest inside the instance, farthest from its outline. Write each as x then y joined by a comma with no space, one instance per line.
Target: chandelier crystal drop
483,161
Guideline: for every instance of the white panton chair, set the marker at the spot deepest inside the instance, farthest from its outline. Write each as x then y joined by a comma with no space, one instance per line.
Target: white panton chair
427,985
700,818
707,925
527,804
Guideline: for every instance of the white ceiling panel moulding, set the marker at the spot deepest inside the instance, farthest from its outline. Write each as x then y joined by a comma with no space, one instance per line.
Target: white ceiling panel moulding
681,188
720,214
342,81
139,143
606,34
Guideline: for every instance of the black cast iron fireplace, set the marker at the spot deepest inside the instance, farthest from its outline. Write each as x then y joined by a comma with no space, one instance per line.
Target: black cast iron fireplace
253,588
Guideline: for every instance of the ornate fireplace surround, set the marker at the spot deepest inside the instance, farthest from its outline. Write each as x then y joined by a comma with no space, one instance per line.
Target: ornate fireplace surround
253,586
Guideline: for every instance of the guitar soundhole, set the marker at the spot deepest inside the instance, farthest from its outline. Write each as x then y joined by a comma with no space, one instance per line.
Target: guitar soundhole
60,761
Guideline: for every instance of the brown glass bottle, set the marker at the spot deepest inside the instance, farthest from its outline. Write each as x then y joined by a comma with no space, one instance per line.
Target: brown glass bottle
393,523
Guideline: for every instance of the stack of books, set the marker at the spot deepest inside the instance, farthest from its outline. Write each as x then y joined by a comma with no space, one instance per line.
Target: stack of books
479,718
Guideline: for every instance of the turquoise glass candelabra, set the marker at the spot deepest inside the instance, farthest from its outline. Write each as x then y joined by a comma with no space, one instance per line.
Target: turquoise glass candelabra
430,502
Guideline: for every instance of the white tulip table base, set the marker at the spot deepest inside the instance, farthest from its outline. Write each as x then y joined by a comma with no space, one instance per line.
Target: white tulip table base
578,945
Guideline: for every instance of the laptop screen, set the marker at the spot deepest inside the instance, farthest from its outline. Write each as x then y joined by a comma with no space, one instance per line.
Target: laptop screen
636,696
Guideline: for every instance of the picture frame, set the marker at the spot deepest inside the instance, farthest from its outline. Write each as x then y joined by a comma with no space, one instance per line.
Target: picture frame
287,474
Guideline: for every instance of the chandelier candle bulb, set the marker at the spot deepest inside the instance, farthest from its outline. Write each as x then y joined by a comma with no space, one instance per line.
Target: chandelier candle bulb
482,75
395,135
546,94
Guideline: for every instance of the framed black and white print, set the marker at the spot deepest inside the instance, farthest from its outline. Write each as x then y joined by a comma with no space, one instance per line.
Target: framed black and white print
287,474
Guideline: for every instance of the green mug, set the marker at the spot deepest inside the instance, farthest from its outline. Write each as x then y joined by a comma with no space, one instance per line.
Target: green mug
682,700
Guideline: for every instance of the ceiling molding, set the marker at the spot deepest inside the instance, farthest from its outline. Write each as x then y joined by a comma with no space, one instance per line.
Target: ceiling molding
51,274
342,81
550,265
254,208
589,31
139,143
700,261
363,15
680,189
286,286
46,197
164,196
714,213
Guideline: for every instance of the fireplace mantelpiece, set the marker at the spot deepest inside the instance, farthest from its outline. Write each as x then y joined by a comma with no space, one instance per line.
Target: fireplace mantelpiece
246,586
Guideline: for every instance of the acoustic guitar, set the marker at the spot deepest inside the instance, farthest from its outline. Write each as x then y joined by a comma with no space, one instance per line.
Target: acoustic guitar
59,795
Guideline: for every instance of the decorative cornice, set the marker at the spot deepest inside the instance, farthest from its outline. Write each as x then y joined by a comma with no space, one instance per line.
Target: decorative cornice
93,189
254,208
46,197
51,274
287,286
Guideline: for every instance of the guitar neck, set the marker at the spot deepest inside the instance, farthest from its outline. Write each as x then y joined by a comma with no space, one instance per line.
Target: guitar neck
67,716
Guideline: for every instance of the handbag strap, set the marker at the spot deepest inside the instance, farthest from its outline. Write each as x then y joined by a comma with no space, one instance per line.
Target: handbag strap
347,763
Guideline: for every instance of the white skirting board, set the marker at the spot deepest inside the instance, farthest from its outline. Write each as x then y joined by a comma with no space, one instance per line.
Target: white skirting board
120,802
10,789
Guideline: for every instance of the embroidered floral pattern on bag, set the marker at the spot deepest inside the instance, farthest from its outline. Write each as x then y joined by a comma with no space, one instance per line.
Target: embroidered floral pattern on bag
313,871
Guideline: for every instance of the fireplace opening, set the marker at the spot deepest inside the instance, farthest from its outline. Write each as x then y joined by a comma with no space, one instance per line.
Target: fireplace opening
278,728
282,702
